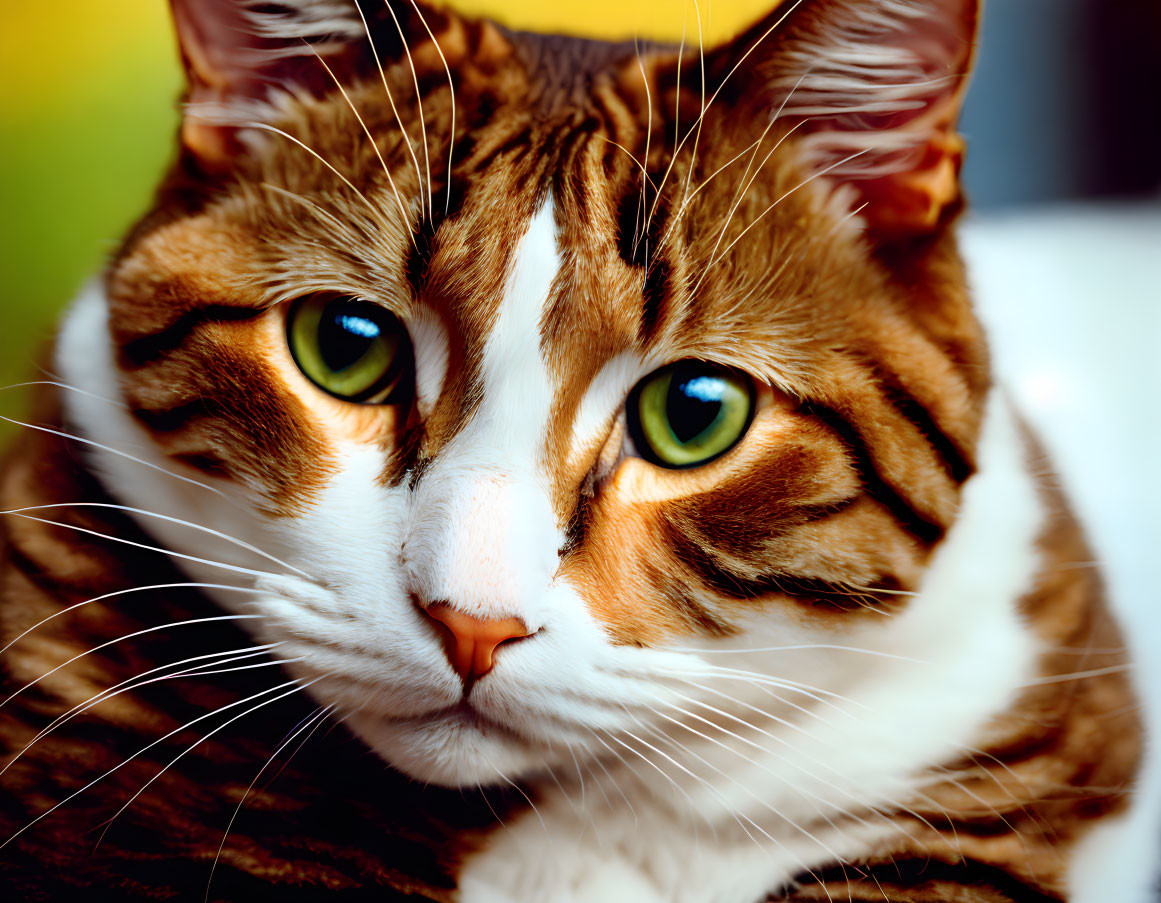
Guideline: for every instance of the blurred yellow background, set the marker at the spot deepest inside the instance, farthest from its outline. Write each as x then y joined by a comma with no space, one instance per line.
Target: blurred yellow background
88,92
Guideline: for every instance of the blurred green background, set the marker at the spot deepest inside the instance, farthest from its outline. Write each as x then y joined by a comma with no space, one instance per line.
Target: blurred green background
87,114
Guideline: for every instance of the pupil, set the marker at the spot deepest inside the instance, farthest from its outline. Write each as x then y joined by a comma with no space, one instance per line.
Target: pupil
343,338
693,404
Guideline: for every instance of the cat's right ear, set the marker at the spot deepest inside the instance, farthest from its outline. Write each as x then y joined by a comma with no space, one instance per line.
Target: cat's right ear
240,55
872,90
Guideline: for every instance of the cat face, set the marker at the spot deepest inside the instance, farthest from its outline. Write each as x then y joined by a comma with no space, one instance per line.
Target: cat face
547,368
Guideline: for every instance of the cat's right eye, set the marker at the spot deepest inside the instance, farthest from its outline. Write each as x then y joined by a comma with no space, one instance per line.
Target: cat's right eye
350,348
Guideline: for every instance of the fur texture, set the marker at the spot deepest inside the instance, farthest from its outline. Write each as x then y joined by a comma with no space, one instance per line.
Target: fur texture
849,659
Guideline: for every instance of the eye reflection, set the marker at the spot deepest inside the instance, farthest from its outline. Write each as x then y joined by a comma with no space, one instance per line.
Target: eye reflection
689,413
351,348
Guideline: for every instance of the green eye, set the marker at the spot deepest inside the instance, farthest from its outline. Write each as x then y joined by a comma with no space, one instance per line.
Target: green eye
689,413
353,349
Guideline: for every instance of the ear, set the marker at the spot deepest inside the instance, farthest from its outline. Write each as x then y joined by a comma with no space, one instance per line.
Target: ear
239,54
873,91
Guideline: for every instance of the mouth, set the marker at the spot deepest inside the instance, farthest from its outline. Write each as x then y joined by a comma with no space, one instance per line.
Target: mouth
460,715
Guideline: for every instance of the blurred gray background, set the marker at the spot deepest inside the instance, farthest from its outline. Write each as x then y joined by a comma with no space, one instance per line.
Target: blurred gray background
1066,102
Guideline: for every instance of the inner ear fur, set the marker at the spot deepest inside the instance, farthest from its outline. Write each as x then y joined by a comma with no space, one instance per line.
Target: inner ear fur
242,56
873,91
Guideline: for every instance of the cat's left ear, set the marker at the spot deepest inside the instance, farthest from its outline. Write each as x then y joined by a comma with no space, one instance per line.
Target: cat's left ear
872,90
239,54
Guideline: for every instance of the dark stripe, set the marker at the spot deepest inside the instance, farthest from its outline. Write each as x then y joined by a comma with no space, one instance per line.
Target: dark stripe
568,183
520,139
578,525
42,577
1021,749
656,292
913,873
955,461
405,459
915,523
725,582
212,465
422,462
614,155
166,420
140,351
808,514
639,233
419,257
699,615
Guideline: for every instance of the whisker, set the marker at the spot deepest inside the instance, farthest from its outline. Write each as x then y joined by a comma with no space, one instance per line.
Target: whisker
128,636
789,725
503,777
747,181
316,719
576,810
676,134
782,700
600,789
628,153
391,101
115,451
123,592
802,184
765,804
451,96
796,765
484,796
298,689
262,126
758,679
615,782
418,101
744,57
736,816
893,802
335,722
133,683
1079,675
339,226
238,569
579,776
804,647
144,749
648,762
165,517
701,112
714,260
63,385
645,168
688,197
370,138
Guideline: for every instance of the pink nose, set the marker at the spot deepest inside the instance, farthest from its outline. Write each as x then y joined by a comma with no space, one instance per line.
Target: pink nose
470,642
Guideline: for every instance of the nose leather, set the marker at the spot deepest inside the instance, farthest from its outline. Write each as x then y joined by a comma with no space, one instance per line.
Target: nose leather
471,642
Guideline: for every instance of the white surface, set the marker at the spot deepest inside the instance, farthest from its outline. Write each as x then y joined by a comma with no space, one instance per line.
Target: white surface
1072,300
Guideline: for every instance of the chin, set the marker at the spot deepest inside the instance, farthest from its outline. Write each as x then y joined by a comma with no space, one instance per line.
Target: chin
451,749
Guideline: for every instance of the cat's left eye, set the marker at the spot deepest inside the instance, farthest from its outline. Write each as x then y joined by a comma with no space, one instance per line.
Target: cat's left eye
689,413
351,348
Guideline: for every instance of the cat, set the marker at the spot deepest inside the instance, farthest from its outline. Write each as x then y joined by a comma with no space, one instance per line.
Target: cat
504,467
